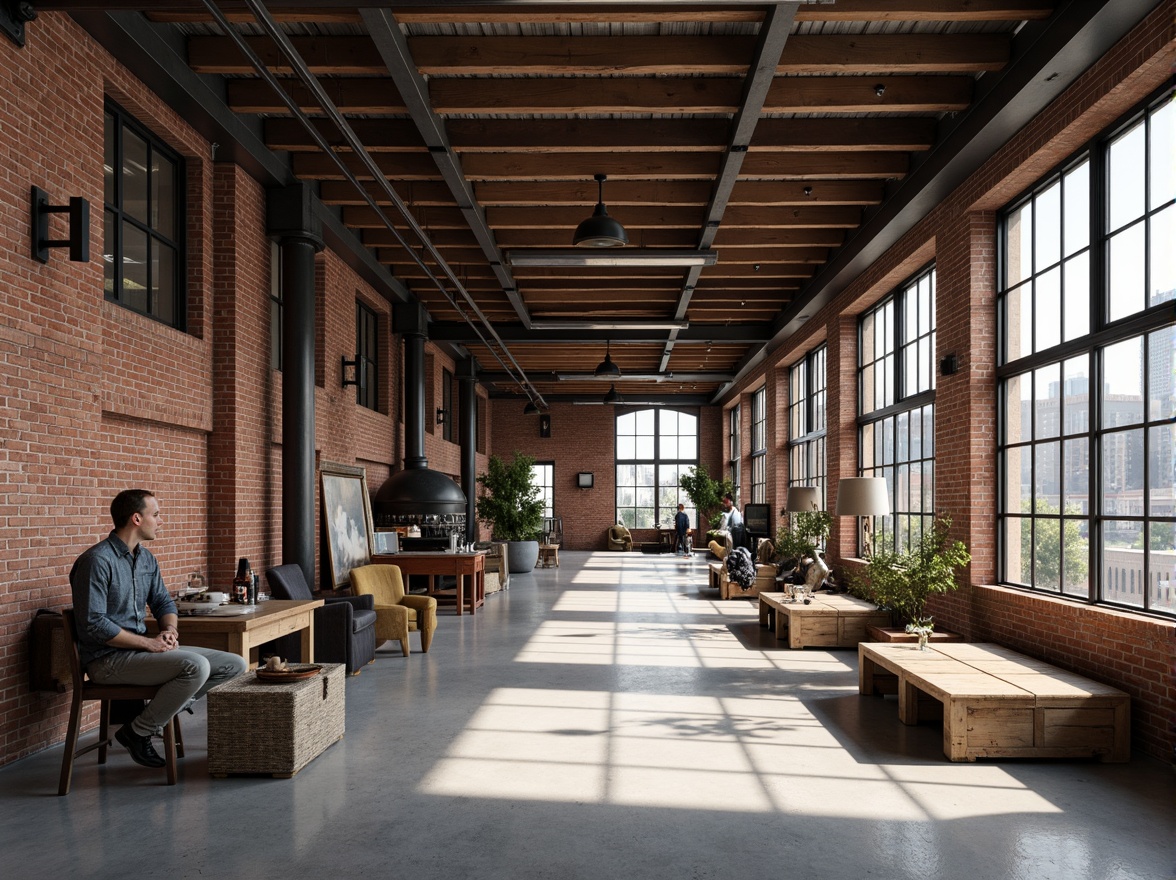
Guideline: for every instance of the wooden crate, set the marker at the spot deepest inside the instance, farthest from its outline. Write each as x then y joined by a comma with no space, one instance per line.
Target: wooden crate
826,622
273,729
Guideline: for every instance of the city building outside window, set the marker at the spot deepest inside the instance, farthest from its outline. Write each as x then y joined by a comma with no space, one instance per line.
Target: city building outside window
143,220
807,423
759,446
1088,363
367,353
654,448
896,400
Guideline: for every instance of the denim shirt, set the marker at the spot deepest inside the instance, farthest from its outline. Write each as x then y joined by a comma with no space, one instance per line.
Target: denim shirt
111,589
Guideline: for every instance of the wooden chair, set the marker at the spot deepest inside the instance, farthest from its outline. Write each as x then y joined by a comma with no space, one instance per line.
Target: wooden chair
83,690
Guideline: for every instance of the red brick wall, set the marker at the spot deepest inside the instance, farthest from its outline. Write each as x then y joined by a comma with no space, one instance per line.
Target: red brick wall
583,438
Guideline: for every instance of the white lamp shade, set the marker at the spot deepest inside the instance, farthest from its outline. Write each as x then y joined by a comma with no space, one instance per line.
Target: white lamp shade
803,499
862,496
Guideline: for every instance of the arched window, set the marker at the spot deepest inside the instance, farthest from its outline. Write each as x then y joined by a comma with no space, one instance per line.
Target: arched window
654,447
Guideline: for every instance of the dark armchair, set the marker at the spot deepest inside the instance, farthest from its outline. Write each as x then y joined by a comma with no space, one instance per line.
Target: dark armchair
344,628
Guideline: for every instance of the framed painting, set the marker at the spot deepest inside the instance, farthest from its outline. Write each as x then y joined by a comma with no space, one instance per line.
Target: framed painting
347,515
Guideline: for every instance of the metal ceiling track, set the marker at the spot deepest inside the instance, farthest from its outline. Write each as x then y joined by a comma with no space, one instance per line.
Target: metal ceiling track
773,34
261,14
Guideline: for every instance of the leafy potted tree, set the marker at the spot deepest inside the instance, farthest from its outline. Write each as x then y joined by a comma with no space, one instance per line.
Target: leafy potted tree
902,582
704,492
510,504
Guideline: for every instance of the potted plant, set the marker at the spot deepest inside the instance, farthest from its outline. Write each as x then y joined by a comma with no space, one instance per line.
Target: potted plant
806,533
510,504
902,582
705,492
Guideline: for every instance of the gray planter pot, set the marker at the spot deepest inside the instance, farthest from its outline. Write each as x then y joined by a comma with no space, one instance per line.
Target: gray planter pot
521,556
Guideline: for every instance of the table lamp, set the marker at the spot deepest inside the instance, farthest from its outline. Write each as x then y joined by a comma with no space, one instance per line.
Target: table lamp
803,499
863,496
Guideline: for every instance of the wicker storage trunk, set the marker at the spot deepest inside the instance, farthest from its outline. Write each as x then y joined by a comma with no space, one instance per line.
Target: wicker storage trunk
275,729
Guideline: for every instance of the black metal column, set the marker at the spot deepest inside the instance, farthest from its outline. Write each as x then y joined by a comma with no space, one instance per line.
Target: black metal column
467,422
291,220
411,324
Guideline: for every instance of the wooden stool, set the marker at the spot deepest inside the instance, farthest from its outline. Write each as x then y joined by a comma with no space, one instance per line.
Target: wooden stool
549,555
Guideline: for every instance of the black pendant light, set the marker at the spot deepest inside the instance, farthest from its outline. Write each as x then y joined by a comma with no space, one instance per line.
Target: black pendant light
613,398
606,368
529,409
600,230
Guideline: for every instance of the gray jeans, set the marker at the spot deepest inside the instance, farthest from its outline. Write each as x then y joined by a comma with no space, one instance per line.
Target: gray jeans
183,675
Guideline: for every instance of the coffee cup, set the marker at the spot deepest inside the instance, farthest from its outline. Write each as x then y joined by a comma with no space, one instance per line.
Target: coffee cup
216,598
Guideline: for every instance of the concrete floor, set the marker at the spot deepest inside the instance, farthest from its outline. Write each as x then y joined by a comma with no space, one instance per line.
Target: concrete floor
607,719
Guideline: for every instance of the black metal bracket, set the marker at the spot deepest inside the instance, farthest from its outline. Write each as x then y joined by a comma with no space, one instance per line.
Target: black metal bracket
13,16
78,242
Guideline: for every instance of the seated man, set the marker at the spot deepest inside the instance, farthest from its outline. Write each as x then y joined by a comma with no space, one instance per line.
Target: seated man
112,584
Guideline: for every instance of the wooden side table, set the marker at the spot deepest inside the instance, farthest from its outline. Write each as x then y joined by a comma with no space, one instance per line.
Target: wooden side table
548,555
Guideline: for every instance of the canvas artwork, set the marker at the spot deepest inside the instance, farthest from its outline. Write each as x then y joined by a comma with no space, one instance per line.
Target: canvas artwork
346,512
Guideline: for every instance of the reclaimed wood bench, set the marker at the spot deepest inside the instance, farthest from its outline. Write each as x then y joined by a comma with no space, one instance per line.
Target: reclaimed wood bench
997,703
828,621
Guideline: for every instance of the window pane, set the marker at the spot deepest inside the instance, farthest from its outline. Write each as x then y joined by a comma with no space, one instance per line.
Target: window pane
1123,560
1048,304
1162,283
626,447
1161,347
1161,470
1122,398
1162,148
1122,473
1161,560
1077,222
1017,321
109,251
1018,245
1077,395
1011,534
1127,264
134,292
1076,476
163,195
669,447
1075,558
1126,175
1047,559
1017,427
134,176
1077,284
1046,477
645,447
1047,401
1047,230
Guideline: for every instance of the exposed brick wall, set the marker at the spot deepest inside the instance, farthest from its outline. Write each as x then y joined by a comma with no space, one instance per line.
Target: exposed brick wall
583,438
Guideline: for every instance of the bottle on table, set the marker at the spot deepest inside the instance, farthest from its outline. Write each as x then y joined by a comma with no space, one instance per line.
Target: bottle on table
242,581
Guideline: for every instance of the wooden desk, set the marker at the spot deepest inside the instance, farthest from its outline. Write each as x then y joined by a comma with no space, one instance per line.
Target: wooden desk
997,703
242,633
472,566
830,621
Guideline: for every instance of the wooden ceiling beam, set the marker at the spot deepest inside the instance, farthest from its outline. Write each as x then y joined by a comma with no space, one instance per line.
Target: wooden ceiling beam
638,55
181,11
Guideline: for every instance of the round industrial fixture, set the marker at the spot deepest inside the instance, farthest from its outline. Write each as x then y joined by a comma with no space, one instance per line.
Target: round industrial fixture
613,397
600,230
529,409
606,368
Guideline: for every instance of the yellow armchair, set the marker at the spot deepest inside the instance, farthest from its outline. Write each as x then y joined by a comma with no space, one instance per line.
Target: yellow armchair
397,613
619,538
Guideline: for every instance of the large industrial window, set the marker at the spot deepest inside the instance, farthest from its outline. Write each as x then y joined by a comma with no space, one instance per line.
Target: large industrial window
367,353
759,446
806,423
1088,352
654,448
275,306
143,220
896,395
448,415
734,442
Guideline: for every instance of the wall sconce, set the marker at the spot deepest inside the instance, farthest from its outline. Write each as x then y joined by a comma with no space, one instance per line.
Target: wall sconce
950,365
584,480
440,415
78,242
356,365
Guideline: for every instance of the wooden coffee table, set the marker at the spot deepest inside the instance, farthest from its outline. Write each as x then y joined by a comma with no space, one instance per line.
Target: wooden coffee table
240,632
828,621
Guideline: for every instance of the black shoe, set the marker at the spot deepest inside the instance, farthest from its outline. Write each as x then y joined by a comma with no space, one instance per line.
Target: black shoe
142,752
